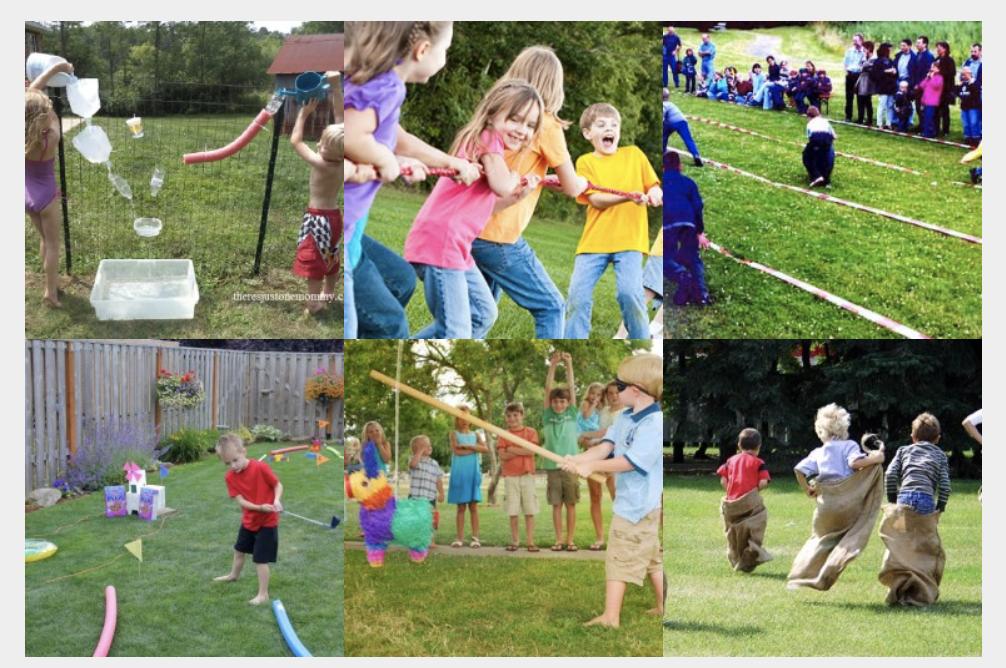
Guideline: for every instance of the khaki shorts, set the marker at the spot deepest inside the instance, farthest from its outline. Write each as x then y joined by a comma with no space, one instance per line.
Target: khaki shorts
633,549
521,497
563,488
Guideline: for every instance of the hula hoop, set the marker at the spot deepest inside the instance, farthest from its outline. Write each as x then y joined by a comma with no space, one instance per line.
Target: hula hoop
111,612
296,646
37,550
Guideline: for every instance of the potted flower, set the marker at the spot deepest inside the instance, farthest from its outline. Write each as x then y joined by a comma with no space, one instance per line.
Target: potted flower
324,387
179,391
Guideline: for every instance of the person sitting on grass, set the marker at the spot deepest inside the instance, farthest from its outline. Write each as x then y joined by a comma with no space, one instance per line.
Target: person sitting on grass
518,477
319,246
426,478
632,450
258,491
819,154
685,230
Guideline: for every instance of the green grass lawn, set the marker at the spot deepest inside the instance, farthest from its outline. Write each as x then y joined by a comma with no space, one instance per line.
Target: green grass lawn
169,606
922,279
211,214
494,523
716,612
553,241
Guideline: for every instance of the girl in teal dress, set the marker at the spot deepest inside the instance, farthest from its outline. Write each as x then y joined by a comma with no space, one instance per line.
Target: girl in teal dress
466,477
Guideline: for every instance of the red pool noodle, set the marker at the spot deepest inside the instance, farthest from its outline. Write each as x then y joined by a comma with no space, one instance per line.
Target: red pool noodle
295,448
108,632
235,146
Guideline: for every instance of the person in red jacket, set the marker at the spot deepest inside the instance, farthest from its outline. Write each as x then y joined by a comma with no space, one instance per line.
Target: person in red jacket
257,490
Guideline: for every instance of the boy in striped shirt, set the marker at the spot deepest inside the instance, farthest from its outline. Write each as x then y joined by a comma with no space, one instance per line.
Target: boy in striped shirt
920,470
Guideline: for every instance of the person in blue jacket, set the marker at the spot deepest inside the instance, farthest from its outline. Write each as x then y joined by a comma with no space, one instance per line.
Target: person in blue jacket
672,47
674,121
684,229
924,60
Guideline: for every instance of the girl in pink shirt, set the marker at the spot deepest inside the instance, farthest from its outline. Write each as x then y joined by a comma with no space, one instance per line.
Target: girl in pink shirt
440,242
932,92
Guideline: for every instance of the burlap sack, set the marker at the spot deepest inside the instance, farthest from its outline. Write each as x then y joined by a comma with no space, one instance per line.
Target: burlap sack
843,521
913,564
744,523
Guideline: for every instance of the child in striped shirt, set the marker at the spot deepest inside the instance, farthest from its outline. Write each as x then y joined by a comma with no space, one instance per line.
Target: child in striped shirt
920,470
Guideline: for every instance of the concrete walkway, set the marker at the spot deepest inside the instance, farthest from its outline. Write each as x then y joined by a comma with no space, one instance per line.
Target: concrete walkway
545,553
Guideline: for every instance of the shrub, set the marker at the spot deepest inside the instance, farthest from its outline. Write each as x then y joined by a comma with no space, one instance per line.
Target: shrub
264,432
244,433
106,448
184,446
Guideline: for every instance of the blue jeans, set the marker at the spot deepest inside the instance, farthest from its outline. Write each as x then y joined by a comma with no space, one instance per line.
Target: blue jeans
587,271
673,62
929,122
515,270
681,127
920,502
708,69
349,318
681,254
383,284
460,301
972,121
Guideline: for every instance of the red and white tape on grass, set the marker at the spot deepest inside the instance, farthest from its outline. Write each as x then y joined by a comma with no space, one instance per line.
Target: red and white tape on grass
857,125
857,158
862,312
966,185
834,200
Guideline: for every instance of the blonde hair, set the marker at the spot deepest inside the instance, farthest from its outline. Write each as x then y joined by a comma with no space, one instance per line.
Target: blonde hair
374,47
458,421
540,67
832,423
596,111
228,441
646,371
586,396
416,441
37,119
512,96
380,430
333,139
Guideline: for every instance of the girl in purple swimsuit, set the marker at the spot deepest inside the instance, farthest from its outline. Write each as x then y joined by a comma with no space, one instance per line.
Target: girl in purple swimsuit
41,139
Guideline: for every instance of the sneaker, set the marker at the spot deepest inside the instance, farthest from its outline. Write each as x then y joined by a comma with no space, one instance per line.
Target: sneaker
698,295
698,162
974,176
816,182
684,288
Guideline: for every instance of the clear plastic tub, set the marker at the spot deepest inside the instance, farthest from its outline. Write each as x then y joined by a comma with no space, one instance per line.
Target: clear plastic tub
147,227
145,290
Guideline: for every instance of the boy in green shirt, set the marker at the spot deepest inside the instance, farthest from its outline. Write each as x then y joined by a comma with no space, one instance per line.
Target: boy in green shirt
560,434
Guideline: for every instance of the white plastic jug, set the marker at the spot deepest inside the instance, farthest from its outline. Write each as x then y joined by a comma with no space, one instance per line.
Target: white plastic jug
38,63
84,99
93,144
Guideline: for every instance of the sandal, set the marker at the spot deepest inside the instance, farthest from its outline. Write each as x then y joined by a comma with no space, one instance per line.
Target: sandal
513,547
597,547
558,547
533,548
475,544
572,548
457,543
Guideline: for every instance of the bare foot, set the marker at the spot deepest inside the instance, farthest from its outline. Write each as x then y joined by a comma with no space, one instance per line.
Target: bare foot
603,621
259,600
226,578
52,303
313,308
659,612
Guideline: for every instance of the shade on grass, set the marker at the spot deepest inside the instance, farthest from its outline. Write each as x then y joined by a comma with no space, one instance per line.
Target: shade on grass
919,278
168,605
717,612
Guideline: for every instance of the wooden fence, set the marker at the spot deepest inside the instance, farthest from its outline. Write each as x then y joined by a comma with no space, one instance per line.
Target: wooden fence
71,386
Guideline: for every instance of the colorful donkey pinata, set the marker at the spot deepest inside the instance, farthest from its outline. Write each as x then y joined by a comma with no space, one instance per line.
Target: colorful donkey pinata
385,519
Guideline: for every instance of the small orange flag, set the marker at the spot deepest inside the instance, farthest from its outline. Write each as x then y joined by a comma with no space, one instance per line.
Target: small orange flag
322,459
323,423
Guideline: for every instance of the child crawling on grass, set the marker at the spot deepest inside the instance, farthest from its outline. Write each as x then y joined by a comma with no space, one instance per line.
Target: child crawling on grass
257,490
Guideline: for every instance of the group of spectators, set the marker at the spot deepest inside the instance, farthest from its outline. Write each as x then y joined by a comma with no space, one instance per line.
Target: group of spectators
914,87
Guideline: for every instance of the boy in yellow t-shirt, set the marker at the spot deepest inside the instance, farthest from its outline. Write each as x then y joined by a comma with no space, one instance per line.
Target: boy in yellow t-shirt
616,231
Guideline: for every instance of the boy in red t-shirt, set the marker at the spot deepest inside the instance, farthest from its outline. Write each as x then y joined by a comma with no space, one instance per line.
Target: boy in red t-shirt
744,515
258,492
518,477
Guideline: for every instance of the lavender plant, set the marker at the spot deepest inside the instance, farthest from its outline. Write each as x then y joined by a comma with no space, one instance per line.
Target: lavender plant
107,445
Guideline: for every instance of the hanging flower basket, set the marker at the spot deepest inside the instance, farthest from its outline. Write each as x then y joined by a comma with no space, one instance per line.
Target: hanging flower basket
179,392
324,387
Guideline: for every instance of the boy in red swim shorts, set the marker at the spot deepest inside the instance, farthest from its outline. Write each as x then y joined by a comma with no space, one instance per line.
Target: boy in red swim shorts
319,246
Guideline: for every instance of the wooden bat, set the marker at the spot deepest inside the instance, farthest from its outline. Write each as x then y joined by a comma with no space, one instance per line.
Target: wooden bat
491,428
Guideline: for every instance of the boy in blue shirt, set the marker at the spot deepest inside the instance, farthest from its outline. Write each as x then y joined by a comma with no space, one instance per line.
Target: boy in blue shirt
632,449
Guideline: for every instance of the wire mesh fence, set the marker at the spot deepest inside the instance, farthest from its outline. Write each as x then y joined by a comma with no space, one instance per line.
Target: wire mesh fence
212,213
